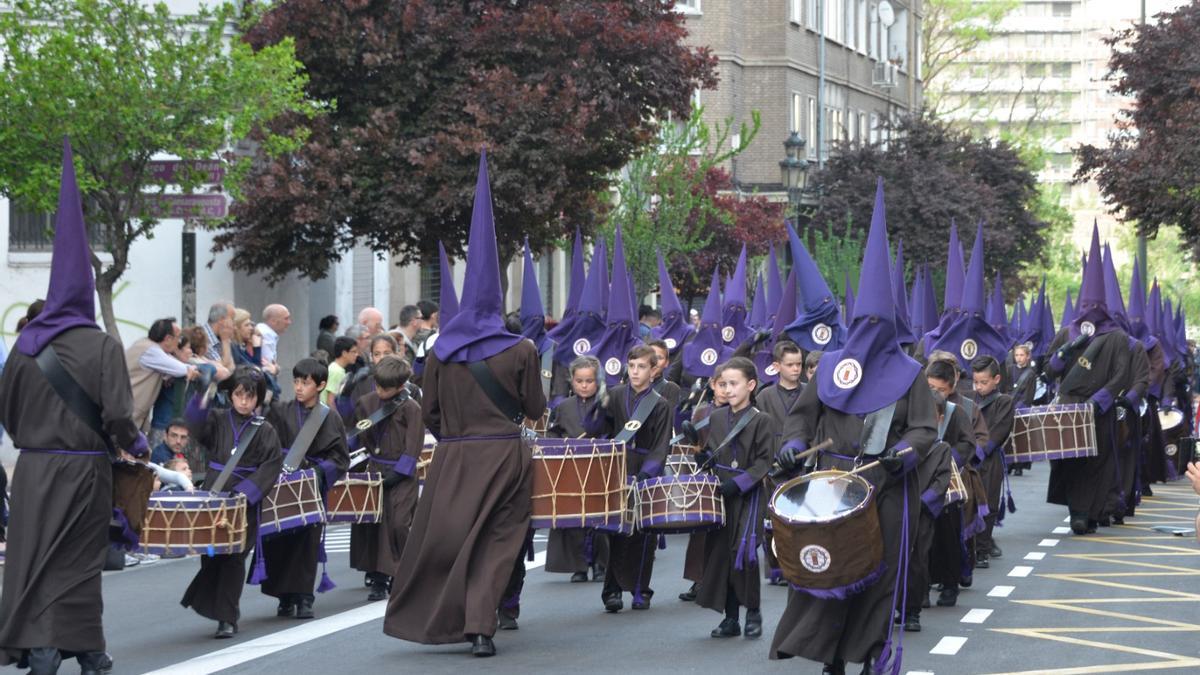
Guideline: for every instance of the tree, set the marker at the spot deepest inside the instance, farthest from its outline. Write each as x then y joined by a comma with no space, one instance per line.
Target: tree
950,31
838,254
1151,167
661,198
127,82
562,93
934,174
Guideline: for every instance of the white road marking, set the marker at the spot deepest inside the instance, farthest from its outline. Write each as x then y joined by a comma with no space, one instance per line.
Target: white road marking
1067,519
1020,571
919,672
1048,542
278,641
948,646
1035,555
1001,591
976,616
1060,530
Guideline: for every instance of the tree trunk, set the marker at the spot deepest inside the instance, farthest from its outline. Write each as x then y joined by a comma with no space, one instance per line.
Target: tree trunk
104,288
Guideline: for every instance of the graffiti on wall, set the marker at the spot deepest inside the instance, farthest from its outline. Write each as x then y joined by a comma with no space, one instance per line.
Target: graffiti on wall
15,311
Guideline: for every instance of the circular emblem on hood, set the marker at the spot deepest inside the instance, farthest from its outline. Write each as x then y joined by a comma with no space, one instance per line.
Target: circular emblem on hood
821,334
613,366
968,349
847,374
1171,450
581,347
728,333
771,370
708,357
815,558
671,343
1087,328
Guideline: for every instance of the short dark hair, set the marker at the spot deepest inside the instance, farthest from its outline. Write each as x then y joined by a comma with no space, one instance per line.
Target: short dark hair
391,371
986,364
320,355
343,344
813,358
783,348
585,362
408,314
383,337
646,310
941,370
161,329
178,423
184,341
428,308
328,322
248,379
655,343
643,352
311,369
512,323
743,365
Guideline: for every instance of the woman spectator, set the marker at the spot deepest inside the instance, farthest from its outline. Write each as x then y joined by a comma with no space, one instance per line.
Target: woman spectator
326,332
198,342
247,342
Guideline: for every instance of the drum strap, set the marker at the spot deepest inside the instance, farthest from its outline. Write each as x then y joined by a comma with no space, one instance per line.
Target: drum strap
305,437
72,394
875,430
504,401
385,411
548,367
737,429
640,413
945,420
702,424
236,456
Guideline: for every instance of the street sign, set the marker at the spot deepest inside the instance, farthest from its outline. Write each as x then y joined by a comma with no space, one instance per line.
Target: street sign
165,170
186,206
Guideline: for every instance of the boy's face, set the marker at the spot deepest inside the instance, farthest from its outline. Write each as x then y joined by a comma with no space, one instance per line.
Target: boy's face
380,349
940,386
789,369
583,382
1021,356
640,373
244,402
307,390
985,383
662,361
387,393
349,356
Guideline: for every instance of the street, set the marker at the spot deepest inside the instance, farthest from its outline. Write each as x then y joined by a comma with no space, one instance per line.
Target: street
1118,601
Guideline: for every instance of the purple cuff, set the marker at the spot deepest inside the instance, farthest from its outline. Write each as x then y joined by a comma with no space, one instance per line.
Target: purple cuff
1056,363
140,447
1102,399
652,468
980,454
1133,398
1155,390
795,444
746,482
406,465
193,412
330,470
909,459
933,501
248,488
957,457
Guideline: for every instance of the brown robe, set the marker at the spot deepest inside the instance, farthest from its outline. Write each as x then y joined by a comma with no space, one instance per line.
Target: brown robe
292,556
745,461
997,413
946,564
780,404
393,444
694,558
933,478
216,590
61,504
567,550
854,629
472,519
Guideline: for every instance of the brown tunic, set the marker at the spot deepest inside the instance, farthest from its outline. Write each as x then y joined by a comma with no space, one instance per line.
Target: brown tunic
997,413
472,518
61,503
780,404
576,549
394,444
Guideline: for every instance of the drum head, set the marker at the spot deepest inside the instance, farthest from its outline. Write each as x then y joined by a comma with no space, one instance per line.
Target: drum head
1170,418
820,497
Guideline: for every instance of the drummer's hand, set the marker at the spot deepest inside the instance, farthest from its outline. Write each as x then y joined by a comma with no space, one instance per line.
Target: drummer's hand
978,457
892,462
392,478
1193,474
702,457
729,488
786,458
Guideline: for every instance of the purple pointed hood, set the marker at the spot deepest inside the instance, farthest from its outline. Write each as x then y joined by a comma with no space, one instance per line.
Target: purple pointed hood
870,371
1046,320
929,308
675,327
585,327
578,279
1180,329
952,293
621,329
533,315
916,320
1168,330
704,352
447,296
970,335
848,301
1093,316
601,252
758,306
904,332
1112,291
734,330
1155,323
1068,312
774,287
764,357
70,300
1033,330
818,322
477,331
1138,326
997,317
1014,320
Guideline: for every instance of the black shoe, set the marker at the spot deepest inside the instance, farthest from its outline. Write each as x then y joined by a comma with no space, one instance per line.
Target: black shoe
1079,525
304,608
1119,520
579,577
378,592
1091,527
925,601
1019,472
689,595
613,603
367,580
753,623
912,623
482,646
835,668
948,597
43,660
729,628
981,563
225,630
94,663
777,581
285,608
506,621
1146,491
644,603
598,572
966,580
1105,522
995,552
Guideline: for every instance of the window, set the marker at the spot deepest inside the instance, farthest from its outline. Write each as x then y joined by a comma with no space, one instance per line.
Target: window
873,32
431,277
977,71
860,26
998,70
851,24
1061,70
1061,40
797,113
1062,9
835,20
31,232
1035,39
1061,162
862,126
812,126
796,11
810,14
688,6
1035,70
897,39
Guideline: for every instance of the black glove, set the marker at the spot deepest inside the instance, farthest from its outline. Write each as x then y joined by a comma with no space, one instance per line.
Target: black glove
730,488
786,458
392,478
892,462
702,457
689,432
642,476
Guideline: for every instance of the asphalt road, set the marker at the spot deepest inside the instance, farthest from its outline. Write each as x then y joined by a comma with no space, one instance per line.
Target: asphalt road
1123,600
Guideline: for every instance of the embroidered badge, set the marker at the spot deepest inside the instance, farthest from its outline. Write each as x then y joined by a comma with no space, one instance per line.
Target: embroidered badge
728,333
671,343
815,558
613,366
708,357
847,374
821,334
633,425
363,425
969,349
771,370
1087,328
1084,363
581,346
1171,450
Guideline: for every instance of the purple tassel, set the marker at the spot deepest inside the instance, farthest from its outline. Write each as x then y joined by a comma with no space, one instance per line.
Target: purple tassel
120,531
844,592
326,583
260,561
662,542
589,547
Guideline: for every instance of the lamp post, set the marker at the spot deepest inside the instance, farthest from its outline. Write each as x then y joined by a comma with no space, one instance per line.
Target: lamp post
793,172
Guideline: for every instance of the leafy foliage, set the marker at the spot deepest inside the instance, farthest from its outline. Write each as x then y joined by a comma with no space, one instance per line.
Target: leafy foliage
563,93
837,254
951,29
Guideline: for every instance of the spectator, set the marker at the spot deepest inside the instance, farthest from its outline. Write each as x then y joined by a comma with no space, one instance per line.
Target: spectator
247,343
176,475
362,339
694,317
322,356
410,323
150,360
326,332
198,344
371,319
429,315
276,320
174,444
648,318
219,331
345,352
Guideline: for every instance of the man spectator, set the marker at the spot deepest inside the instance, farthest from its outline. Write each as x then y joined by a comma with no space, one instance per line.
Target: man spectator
326,332
174,443
150,360
276,319
429,316
648,318
371,319
219,331
410,323
362,340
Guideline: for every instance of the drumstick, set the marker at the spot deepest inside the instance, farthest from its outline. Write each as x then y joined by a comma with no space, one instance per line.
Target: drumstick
777,470
872,465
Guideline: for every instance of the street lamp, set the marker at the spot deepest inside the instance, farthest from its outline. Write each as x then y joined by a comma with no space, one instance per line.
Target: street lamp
793,171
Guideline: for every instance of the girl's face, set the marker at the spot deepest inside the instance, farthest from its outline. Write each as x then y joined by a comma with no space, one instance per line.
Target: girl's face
185,353
583,382
720,395
737,387
244,402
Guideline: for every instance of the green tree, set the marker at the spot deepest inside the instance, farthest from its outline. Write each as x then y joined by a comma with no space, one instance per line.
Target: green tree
1176,273
950,30
128,82
837,254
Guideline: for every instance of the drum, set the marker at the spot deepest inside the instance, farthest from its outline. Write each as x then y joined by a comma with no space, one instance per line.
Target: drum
295,501
357,498
957,492
133,482
426,457
539,425
826,533
673,504
194,523
680,461
578,482
1045,432
1176,445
